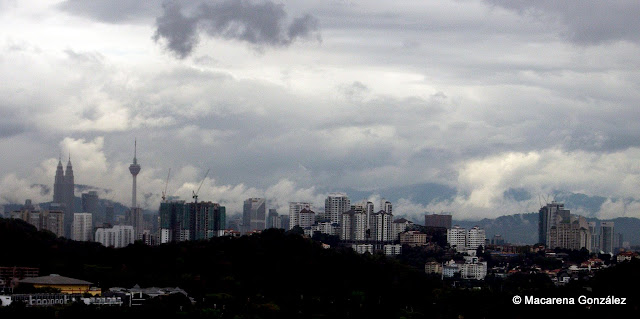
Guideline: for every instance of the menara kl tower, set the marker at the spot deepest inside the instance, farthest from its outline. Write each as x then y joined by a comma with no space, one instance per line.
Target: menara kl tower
134,169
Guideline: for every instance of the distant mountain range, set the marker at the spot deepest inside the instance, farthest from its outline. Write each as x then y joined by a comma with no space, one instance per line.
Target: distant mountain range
523,228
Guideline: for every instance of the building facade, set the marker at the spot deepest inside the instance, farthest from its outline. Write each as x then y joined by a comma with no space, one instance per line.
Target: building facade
254,215
82,227
436,220
294,212
335,205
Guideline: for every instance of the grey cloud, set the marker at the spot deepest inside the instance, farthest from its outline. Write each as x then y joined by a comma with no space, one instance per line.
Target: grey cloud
588,21
113,11
260,24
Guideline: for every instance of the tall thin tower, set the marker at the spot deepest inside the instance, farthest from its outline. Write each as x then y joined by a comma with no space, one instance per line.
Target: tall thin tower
134,169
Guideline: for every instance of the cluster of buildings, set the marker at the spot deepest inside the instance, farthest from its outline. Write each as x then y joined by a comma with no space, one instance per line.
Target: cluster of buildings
558,228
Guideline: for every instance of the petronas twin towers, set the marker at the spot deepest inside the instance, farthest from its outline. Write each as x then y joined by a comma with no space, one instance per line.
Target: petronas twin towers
63,194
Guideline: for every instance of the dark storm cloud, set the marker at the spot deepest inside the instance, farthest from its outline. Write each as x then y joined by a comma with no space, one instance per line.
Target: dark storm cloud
260,24
588,21
113,11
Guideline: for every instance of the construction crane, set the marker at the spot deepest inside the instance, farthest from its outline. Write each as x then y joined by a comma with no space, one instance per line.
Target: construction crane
195,194
164,193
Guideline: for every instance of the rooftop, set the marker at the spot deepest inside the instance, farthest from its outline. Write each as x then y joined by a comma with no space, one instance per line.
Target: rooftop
54,279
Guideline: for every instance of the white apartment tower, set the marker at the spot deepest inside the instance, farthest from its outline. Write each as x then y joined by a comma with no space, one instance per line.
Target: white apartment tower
382,226
476,237
353,225
335,205
457,238
294,212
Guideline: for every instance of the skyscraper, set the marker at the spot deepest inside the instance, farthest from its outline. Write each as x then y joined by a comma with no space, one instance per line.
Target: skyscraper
607,237
134,169
64,194
548,216
90,204
135,218
335,205
273,219
253,215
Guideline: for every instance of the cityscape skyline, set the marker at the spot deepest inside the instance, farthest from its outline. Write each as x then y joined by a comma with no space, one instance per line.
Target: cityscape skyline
496,101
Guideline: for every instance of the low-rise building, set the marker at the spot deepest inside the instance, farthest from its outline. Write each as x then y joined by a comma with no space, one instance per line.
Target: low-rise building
413,238
433,267
392,250
363,248
65,284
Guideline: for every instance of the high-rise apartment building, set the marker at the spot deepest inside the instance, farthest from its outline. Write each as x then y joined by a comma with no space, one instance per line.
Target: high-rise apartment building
382,227
335,205
353,226
386,206
117,236
306,218
457,238
436,220
476,237
174,222
294,212
82,227
206,220
254,214
180,221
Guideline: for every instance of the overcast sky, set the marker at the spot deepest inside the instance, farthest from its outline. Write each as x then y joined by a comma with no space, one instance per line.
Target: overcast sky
292,99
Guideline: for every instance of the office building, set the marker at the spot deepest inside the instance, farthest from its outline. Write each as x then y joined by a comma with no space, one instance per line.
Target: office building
273,219
109,214
335,205
436,220
254,215
90,203
82,227
607,238
548,216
